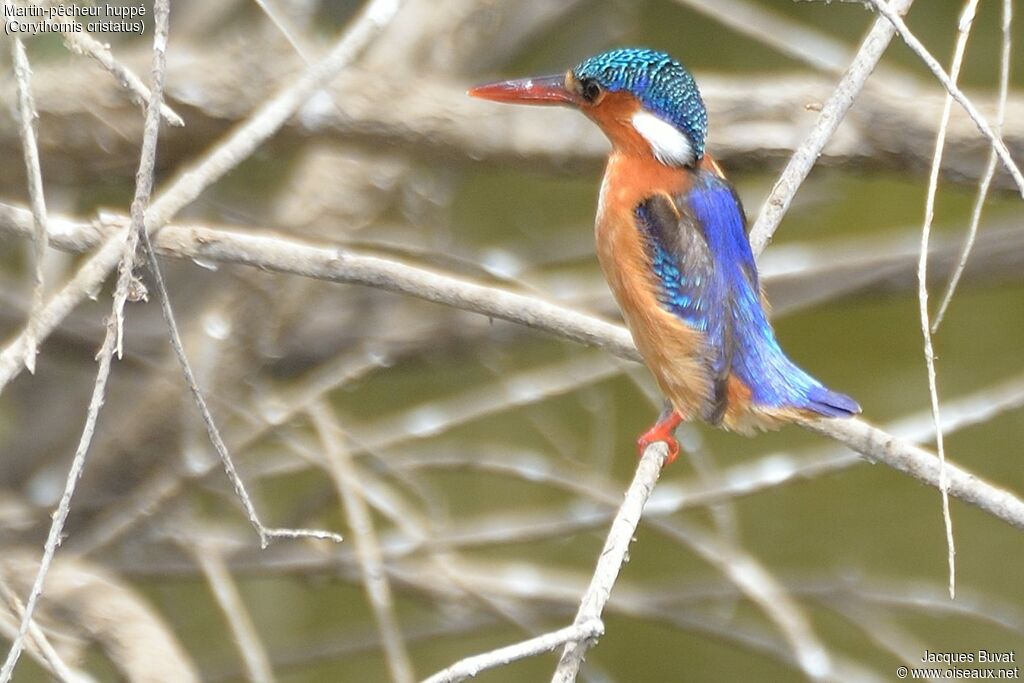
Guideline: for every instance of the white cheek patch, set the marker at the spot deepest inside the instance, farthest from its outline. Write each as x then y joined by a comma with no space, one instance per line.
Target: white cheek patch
669,144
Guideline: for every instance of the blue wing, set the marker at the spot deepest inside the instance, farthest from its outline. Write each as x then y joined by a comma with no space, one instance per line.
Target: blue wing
708,278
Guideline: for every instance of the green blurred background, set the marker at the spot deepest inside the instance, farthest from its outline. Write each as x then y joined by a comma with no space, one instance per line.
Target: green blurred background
862,549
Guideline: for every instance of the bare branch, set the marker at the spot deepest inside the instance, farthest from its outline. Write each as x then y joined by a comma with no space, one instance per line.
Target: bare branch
471,666
46,654
990,170
892,13
210,561
27,116
190,183
787,37
756,121
284,255
81,42
144,182
775,206
612,556
266,534
963,33
371,564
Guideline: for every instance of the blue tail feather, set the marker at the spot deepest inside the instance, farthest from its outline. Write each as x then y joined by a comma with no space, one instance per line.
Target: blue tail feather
737,323
831,403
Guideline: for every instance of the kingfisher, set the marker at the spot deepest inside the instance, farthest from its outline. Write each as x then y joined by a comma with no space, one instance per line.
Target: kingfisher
672,243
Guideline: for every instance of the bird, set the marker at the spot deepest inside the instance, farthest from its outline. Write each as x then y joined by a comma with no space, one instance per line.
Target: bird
672,242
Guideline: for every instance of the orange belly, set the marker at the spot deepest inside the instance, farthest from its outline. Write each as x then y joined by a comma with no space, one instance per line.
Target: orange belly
675,353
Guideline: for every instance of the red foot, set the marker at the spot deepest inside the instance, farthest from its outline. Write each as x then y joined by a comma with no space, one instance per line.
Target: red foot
662,430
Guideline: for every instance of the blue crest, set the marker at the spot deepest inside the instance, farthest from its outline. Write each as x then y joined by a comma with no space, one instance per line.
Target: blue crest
662,85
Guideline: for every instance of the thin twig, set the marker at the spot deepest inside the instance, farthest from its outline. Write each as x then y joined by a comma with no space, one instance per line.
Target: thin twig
144,183
832,113
282,25
26,129
963,33
279,254
254,655
47,655
371,563
238,146
749,576
990,170
785,36
266,534
613,555
892,14
82,42
471,666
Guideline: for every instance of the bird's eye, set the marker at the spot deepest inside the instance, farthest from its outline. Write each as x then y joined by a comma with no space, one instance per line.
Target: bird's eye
590,90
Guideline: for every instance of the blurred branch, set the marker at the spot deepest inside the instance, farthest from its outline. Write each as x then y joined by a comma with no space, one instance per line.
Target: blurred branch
744,571
92,605
111,341
266,534
30,150
191,182
793,39
471,666
285,255
775,206
39,645
82,42
755,119
893,15
357,514
225,592
990,170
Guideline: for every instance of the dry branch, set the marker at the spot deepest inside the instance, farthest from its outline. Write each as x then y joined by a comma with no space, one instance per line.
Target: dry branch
285,255
27,118
832,114
893,15
81,42
371,564
190,183
471,666
111,341
225,591
613,554
990,170
752,120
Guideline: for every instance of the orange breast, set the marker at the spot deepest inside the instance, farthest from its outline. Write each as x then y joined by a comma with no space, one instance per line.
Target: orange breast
674,352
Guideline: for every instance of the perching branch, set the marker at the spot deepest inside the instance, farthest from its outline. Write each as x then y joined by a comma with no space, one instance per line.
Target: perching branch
283,255
613,554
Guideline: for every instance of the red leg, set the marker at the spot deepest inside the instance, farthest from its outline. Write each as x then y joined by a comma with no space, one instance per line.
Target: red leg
663,430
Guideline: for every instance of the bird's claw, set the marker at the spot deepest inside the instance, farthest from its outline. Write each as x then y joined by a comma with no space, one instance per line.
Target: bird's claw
653,435
662,430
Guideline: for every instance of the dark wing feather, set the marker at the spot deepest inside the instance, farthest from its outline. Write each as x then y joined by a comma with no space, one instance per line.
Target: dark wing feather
689,285
700,254
757,360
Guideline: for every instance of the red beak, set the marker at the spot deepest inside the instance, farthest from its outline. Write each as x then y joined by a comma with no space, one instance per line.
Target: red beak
543,90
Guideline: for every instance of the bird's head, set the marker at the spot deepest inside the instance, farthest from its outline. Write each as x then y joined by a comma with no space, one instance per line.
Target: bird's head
644,100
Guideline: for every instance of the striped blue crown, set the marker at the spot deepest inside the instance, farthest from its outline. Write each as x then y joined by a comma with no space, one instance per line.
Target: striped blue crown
662,85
